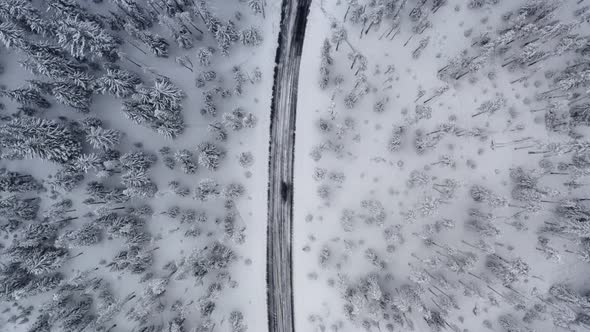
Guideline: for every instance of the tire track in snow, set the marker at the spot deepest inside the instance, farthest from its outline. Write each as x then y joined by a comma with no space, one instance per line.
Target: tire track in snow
280,189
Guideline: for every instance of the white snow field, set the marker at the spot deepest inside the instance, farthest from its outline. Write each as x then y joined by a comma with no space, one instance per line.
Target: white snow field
431,197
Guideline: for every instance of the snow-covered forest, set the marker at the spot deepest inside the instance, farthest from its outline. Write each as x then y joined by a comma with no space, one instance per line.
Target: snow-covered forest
134,146
440,179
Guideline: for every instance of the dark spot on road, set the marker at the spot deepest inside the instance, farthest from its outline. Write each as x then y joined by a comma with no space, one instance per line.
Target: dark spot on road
285,188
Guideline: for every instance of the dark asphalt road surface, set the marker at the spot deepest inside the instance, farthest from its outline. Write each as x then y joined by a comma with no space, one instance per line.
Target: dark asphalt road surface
280,190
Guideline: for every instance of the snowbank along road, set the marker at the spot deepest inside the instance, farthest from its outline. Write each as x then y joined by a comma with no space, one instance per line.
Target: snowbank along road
282,139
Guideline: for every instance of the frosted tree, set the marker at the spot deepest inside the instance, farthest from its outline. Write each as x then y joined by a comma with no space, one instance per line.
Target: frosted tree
505,270
238,119
51,61
27,97
25,15
100,194
135,13
118,82
40,259
178,30
138,159
101,138
87,235
68,177
16,182
39,138
150,301
491,106
204,55
212,258
475,4
135,259
86,39
67,93
482,194
70,9
21,208
256,6
158,107
236,319
157,45
210,155
580,114
427,141
207,189
326,62
185,158
572,219
375,212
396,140
12,36
339,35
251,36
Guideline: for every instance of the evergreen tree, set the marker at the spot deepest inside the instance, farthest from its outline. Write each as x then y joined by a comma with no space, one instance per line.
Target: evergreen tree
210,155
580,114
51,61
251,36
14,278
118,82
236,319
39,138
136,259
178,30
256,6
185,158
40,259
158,107
12,36
101,138
71,9
24,14
68,177
72,95
21,208
86,39
27,97
204,54
156,44
482,194
215,257
15,182
138,15
207,189
505,270
137,160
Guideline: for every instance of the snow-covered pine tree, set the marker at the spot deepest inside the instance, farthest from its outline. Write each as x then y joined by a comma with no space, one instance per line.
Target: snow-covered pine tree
251,36
16,182
86,39
118,82
27,97
157,45
12,36
210,155
25,15
39,138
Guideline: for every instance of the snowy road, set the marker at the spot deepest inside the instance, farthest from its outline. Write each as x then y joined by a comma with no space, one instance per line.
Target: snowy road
280,190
